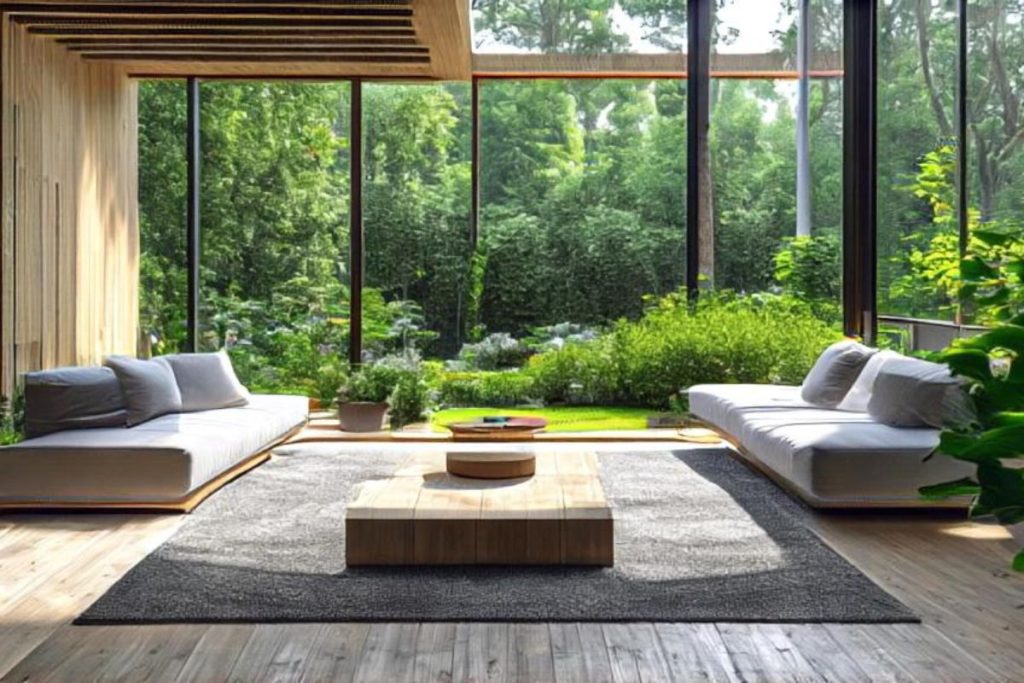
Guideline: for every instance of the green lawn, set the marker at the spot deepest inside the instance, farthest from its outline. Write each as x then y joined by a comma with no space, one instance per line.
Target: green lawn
560,418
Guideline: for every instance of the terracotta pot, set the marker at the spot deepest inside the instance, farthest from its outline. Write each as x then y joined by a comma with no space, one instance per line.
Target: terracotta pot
363,416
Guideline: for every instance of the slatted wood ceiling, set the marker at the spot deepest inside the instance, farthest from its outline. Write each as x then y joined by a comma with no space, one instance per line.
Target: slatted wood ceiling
260,38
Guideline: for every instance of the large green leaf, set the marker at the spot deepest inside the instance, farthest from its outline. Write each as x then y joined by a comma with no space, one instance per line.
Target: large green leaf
1002,493
973,363
992,237
973,268
960,487
1006,337
1001,442
1018,562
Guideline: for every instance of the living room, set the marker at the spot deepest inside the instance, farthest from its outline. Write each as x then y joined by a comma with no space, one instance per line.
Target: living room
511,341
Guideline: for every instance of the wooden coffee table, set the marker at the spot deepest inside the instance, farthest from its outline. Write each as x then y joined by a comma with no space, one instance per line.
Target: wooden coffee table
423,515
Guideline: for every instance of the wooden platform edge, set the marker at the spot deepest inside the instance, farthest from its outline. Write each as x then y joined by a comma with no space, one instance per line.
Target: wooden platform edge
184,505
743,455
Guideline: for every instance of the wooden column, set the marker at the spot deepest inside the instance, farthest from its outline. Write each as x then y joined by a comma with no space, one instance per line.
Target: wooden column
193,145
355,228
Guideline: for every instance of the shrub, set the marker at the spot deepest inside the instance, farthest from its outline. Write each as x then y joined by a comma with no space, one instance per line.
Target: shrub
578,372
500,388
493,352
725,338
397,380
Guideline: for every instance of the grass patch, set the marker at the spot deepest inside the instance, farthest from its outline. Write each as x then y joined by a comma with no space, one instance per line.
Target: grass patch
560,418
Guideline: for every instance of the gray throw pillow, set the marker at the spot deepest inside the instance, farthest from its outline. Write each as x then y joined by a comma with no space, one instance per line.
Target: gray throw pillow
72,398
915,393
207,381
834,373
149,387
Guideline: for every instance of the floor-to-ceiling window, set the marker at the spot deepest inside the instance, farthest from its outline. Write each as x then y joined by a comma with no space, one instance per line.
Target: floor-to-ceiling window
583,202
416,216
776,151
274,226
163,282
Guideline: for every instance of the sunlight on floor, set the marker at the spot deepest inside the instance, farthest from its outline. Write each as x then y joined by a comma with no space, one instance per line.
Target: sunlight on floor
978,532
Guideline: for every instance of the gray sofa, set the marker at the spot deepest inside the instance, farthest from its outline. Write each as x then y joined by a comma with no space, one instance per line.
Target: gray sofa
829,458
82,454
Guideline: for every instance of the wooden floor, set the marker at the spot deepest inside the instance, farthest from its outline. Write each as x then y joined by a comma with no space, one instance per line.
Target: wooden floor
954,574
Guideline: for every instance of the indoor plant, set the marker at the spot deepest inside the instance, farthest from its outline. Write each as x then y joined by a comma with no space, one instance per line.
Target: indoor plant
391,389
992,366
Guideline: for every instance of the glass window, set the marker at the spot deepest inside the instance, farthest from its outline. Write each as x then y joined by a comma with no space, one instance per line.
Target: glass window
416,205
163,290
583,201
274,277
995,144
765,235
579,26
917,148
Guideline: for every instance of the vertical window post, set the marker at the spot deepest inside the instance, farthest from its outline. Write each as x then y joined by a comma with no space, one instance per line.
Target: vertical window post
860,314
474,178
698,90
193,158
962,142
355,227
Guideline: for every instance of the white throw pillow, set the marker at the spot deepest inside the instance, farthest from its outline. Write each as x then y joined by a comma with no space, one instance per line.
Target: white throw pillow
834,373
856,399
148,386
910,392
207,381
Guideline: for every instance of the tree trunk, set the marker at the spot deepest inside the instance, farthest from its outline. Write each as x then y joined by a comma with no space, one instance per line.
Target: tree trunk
705,198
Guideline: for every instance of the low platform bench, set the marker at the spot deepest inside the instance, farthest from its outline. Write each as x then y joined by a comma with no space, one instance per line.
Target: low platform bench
88,449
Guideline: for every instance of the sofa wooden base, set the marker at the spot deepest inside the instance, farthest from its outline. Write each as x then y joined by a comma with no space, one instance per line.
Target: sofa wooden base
186,504
739,452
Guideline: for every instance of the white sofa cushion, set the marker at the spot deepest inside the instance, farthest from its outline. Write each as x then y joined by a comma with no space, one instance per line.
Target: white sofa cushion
162,460
832,458
148,386
834,373
207,381
916,393
856,399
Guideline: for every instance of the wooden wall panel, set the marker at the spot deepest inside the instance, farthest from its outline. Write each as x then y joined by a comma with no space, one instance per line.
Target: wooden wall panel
70,243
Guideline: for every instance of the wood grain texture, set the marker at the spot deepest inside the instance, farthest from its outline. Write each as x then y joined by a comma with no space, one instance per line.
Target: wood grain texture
237,38
951,572
70,230
425,515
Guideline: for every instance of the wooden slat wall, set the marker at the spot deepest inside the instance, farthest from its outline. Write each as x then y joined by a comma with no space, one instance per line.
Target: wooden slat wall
70,241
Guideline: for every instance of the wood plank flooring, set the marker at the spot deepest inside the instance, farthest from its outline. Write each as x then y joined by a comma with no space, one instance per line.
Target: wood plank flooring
954,574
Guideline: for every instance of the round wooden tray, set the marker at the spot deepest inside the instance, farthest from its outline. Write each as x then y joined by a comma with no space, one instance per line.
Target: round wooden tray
492,465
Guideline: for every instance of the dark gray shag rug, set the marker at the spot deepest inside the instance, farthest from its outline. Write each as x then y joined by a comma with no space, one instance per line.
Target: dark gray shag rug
699,537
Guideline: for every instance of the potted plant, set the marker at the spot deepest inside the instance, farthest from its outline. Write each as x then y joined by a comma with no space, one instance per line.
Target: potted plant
392,389
363,399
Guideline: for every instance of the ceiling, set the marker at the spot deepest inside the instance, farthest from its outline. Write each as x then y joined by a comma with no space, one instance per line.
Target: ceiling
261,38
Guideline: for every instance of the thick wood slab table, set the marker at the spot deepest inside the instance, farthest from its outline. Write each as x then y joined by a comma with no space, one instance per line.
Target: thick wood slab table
423,515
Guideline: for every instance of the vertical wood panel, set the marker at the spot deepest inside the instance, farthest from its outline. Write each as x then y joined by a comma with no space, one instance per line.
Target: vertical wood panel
70,242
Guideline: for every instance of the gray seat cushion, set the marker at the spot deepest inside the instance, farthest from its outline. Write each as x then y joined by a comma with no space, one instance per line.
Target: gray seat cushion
162,460
915,393
149,387
207,381
72,398
834,373
832,458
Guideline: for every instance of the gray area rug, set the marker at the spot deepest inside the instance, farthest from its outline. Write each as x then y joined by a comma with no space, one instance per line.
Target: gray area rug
699,537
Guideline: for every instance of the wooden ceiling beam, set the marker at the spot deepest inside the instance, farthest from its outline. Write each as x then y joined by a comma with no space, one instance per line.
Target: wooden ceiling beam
343,40
157,9
247,47
259,57
259,34
298,50
44,20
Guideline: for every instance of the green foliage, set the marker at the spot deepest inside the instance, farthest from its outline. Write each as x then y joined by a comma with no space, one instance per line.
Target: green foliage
992,366
487,388
12,418
757,339
397,380
808,268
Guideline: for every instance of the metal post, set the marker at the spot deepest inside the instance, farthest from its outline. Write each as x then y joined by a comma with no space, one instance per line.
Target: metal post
474,177
803,131
860,315
355,228
962,146
192,245
698,84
